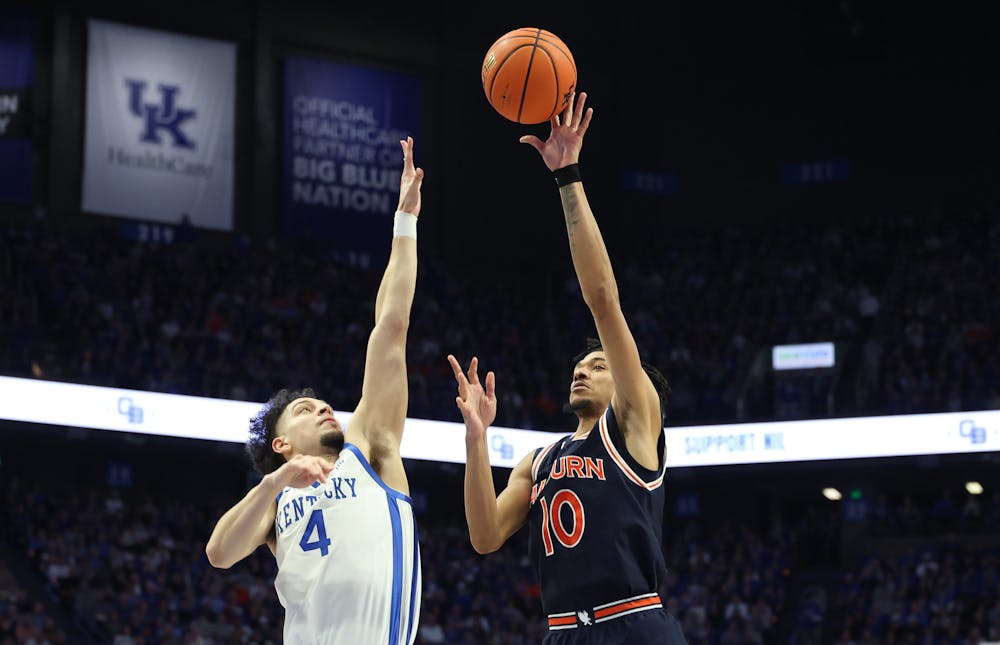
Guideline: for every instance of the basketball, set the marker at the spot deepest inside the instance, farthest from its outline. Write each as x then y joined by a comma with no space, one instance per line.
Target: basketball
528,75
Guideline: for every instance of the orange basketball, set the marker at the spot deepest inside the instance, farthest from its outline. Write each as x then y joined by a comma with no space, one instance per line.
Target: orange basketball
528,75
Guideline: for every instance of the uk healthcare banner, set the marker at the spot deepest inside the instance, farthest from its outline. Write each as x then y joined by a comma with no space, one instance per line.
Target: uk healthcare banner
17,79
160,126
342,158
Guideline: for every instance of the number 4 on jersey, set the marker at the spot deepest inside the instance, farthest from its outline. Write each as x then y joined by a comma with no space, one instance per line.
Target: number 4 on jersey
321,542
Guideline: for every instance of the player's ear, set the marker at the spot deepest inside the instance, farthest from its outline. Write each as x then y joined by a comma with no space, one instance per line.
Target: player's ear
281,446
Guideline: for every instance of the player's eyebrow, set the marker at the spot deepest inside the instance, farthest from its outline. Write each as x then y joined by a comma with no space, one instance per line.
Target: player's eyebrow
592,360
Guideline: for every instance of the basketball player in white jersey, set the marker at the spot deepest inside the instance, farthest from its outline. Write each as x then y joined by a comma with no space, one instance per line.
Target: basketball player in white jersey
333,504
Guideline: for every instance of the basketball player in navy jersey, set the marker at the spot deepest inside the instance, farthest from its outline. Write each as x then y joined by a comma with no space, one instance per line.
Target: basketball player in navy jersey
333,504
593,500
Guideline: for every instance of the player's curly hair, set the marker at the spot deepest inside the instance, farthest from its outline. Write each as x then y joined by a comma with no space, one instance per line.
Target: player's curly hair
656,376
263,426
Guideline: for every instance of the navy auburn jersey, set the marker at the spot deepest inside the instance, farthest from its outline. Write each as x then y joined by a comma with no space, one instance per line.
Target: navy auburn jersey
596,520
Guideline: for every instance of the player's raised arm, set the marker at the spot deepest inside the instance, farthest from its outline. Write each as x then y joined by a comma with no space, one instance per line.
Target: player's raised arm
635,400
491,519
381,412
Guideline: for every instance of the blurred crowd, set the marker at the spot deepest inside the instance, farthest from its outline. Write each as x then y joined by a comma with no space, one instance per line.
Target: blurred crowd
912,303
24,619
129,568
940,592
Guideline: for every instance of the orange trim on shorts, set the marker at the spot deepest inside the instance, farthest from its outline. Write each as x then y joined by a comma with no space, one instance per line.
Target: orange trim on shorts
609,612
556,621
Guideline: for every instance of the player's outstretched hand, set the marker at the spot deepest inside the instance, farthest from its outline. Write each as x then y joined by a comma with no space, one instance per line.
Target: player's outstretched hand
562,148
477,405
409,181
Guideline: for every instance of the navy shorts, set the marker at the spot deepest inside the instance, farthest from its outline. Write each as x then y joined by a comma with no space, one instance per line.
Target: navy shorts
653,627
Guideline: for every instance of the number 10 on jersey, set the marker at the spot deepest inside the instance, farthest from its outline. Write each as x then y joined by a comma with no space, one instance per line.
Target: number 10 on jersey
552,521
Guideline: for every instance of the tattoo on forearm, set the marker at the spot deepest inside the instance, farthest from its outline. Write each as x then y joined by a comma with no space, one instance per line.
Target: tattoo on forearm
572,219
570,207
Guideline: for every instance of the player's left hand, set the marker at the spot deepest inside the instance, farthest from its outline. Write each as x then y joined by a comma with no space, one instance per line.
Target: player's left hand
477,405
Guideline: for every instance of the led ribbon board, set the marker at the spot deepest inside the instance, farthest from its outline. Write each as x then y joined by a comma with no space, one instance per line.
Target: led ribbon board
191,417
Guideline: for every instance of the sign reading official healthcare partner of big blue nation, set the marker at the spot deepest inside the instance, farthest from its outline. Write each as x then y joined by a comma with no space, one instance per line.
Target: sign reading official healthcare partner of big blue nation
342,158
17,77
160,126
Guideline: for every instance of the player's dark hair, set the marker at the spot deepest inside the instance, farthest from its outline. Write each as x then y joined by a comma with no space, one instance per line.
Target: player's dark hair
263,427
659,380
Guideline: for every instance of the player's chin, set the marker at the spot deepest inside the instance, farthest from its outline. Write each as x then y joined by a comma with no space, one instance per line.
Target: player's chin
333,439
578,402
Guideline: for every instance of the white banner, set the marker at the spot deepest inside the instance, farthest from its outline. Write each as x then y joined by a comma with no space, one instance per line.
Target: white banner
191,417
160,126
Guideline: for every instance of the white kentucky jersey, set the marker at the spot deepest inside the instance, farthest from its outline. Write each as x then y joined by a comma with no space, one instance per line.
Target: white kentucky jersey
348,559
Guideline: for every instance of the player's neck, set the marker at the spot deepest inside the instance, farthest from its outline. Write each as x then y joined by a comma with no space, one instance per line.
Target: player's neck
585,422
328,454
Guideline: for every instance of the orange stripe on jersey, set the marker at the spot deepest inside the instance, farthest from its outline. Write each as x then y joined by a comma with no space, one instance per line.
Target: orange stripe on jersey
618,459
608,612
538,460
562,620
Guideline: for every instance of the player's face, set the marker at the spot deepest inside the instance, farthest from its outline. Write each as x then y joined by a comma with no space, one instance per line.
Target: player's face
592,385
309,427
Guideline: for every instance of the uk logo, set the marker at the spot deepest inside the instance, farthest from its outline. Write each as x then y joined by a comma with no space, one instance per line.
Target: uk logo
163,118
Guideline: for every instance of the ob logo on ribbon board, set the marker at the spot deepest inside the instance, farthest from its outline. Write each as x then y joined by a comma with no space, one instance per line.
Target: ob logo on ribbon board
160,126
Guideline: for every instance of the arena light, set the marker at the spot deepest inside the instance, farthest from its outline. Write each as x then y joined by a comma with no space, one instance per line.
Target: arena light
832,494
156,413
974,488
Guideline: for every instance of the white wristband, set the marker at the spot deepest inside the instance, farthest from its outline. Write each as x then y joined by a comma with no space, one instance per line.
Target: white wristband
404,225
